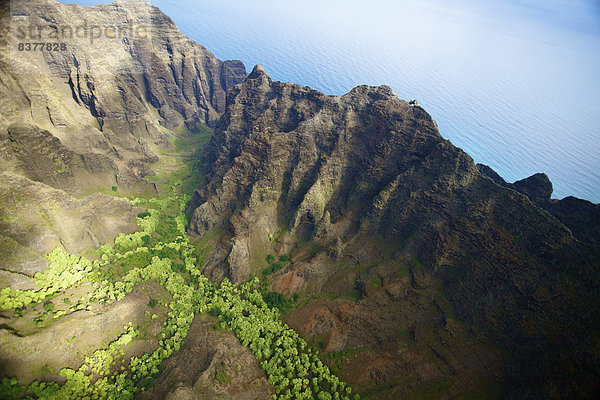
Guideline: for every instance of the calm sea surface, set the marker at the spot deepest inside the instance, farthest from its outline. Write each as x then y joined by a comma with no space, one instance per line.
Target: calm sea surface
515,83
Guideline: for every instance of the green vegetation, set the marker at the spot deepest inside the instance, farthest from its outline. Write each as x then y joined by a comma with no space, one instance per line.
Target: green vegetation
49,306
65,270
336,360
162,252
374,283
272,268
144,214
354,294
275,266
221,378
292,367
274,299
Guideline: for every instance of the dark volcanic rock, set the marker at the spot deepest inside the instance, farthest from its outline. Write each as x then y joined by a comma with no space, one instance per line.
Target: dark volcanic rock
232,73
486,170
581,216
344,171
537,187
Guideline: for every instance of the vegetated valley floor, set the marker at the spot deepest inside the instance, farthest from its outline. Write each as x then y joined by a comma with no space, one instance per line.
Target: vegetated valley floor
104,324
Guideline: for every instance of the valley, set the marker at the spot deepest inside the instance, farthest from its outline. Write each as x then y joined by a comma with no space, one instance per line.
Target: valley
178,228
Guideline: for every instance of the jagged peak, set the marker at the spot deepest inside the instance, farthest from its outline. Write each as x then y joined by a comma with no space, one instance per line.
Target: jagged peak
537,187
257,72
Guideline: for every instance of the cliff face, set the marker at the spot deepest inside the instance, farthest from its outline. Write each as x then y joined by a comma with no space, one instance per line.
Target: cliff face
369,200
120,60
125,77
93,115
319,159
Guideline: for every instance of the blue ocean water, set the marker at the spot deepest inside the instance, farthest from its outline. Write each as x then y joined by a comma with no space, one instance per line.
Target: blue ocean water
515,83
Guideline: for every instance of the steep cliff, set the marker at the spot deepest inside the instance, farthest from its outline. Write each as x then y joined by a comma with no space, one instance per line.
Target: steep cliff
582,217
114,95
94,114
369,200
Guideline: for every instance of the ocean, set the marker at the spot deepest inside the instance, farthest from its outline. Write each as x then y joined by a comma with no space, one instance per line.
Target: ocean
514,83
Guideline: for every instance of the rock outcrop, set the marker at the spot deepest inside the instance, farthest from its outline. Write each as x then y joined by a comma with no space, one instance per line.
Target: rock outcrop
582,217
211,365
537,187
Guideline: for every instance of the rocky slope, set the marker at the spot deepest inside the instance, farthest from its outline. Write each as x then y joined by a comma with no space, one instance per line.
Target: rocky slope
108,99
582,217
462,282
92,116
207,352
418,273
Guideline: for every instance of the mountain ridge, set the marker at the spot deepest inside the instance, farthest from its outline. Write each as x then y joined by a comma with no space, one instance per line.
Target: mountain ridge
367,174
416,272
